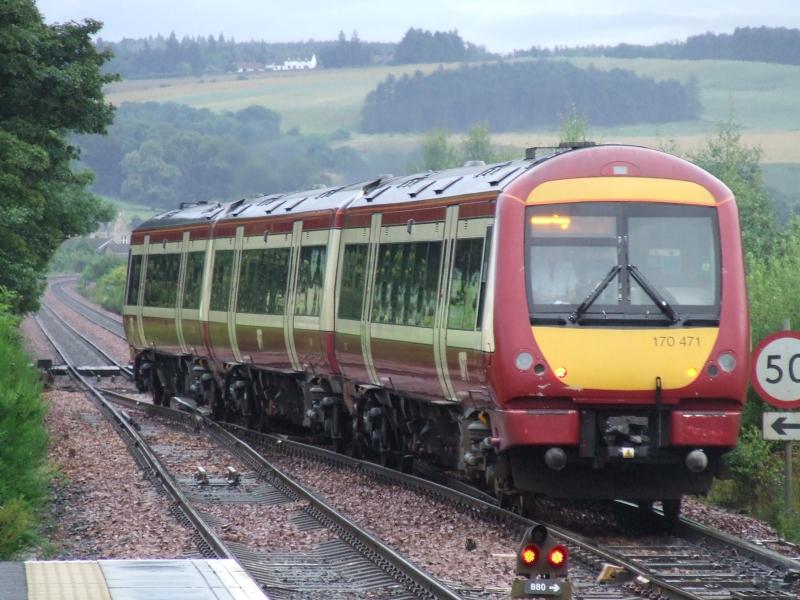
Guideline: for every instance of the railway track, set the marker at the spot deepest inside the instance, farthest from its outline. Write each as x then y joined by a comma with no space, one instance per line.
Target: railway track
693,562
352,561
97,317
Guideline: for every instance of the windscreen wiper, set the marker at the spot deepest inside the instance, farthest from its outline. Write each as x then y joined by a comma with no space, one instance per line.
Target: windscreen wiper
655,296
598,289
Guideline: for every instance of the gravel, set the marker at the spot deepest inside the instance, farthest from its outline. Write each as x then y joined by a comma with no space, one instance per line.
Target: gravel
104,508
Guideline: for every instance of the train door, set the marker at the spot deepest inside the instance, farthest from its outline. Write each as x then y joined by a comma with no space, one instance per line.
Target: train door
463,341
401,310
181,284
159,296
261,301
190,321
234,294
132,309
358,250
306,298
220,294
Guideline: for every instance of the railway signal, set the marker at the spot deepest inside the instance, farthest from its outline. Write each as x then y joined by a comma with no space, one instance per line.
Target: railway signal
544,561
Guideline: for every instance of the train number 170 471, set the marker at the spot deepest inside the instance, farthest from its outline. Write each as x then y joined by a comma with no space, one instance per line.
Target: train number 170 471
669,341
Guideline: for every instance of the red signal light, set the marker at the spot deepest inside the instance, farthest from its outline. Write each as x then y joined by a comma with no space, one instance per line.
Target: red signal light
529,555
557,557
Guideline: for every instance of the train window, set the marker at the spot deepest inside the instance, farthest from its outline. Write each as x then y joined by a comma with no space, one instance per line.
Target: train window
677,255
262,283
161,280
406,284
310,278
351,293
639,252
221,279
134,275
194,279
466,283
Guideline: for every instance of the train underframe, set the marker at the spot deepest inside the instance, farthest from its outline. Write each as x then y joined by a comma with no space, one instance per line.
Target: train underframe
372,422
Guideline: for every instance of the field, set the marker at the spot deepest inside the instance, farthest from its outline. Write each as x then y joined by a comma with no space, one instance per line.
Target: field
762,98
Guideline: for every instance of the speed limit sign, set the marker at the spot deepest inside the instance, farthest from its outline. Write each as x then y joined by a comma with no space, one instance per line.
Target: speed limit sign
776,369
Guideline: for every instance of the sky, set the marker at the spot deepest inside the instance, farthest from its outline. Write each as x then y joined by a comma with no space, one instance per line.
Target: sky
500,25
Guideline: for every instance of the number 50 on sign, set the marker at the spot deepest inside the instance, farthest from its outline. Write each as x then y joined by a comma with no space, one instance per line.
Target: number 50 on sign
776,369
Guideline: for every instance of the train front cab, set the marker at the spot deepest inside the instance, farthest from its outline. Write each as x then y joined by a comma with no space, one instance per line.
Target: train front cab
625,372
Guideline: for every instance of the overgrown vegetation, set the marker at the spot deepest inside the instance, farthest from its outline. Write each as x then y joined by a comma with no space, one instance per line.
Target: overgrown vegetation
524,95
23,441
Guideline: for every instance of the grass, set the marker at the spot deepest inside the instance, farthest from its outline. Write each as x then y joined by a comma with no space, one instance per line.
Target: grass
761,97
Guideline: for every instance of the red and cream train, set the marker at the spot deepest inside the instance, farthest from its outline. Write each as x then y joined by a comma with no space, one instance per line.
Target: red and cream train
571,325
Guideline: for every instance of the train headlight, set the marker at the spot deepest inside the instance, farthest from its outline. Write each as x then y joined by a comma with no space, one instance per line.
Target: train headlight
561,372
691,372
523,361
726,362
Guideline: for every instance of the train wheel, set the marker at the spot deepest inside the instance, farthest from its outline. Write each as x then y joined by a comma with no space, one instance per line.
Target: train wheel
672,512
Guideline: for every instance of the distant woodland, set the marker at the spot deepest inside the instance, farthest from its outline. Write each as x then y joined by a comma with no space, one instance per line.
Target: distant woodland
161,154
763,44
199,56
512,96
159,56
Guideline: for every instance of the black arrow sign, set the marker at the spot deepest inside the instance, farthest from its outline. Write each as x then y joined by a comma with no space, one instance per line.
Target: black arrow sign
780,425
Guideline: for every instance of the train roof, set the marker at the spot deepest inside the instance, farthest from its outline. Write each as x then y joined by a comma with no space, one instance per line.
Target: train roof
473,179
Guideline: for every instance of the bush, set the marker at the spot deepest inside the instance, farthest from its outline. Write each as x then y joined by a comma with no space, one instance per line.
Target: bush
23,441
756,474
109,289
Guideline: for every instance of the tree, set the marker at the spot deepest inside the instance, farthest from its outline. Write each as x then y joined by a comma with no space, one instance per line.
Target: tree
52,86
738,166
437,151
478,144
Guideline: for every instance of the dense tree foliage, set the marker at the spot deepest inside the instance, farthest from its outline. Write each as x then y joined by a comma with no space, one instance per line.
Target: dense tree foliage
764,44
162,154
51,85
523,95
346,53
421,46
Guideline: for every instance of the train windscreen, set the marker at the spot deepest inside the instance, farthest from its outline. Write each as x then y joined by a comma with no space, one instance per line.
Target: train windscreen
622,261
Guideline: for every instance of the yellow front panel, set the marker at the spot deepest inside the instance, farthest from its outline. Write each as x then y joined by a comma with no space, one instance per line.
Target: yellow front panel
621,189
626,359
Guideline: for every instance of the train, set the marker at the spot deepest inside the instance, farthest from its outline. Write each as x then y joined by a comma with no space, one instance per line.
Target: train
571,324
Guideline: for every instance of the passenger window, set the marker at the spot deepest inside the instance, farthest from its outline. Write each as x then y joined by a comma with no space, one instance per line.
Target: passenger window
466,283
262,283
406,284
194,279
221,279
134,275
351,294
310,277
161,280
